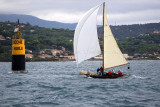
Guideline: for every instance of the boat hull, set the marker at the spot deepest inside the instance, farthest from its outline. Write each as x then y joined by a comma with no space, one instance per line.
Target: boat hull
93,75
105,77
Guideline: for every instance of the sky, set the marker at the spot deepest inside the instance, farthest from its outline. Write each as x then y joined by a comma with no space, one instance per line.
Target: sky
119,12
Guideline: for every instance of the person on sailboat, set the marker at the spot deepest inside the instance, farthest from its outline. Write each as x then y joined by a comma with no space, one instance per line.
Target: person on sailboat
112,71
101,70
109,73
120,73
98,71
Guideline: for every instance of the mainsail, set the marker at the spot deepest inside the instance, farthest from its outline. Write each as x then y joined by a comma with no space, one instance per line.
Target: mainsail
112,55
86,44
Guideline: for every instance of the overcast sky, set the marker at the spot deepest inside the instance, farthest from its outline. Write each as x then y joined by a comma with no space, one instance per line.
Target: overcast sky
70,11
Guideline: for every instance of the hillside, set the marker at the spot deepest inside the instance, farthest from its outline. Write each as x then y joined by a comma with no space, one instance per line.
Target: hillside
132,30
146,45
41,40
35,21
37,38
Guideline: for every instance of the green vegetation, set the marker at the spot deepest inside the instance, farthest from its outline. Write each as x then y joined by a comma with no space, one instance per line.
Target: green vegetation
147,44
124,31
38,38
5,50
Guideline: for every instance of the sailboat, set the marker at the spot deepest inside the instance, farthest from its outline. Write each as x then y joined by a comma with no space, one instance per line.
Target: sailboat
86,43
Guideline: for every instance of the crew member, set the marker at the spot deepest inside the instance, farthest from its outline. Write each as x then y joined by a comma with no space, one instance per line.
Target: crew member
98,71
101,70
109,73
120,73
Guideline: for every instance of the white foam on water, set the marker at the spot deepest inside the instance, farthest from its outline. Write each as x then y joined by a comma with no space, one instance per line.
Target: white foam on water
89,77
10,72
140,77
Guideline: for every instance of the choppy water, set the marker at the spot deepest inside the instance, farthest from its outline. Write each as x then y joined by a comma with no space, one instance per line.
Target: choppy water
58,84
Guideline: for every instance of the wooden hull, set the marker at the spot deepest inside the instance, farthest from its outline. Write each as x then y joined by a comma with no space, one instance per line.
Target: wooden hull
105,77
93,75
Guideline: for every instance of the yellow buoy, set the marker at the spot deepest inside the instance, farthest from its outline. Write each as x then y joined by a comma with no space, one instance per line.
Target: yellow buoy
18,52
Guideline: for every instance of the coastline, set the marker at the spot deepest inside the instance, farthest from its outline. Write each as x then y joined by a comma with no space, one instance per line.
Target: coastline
87,60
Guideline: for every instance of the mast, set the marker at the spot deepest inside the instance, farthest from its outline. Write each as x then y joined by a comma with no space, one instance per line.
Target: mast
103,37
18,27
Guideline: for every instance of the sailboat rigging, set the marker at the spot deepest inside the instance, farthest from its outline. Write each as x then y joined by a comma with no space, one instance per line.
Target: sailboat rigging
86,44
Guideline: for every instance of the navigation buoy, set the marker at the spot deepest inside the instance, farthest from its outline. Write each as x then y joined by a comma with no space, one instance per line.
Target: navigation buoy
18,52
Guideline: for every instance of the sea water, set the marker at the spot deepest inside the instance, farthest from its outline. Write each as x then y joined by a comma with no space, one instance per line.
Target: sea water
59,84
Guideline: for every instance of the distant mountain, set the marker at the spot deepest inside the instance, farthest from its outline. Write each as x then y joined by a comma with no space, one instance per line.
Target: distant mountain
120,31
36,21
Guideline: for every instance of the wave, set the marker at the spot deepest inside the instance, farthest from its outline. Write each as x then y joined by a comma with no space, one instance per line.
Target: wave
140,77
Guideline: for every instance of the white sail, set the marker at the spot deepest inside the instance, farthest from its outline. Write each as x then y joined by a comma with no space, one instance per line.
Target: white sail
86,44
112,55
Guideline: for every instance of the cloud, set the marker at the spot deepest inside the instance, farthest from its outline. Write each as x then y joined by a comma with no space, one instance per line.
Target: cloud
137,17
58,15
70,11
